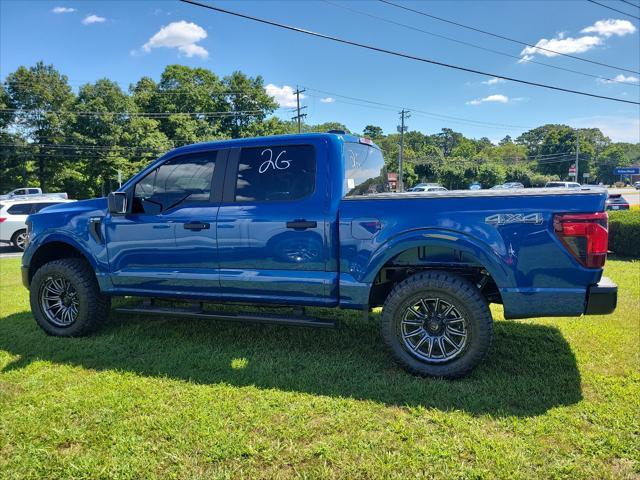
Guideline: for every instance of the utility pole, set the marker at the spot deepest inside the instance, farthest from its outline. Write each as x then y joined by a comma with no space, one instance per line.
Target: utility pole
299,116
577,155
404,114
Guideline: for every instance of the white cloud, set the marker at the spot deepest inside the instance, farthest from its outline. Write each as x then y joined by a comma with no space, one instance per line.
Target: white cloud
89,19
619,129
181,35
285,96
560,44
497,98
607,28
327,100
63,10
620,78
493,81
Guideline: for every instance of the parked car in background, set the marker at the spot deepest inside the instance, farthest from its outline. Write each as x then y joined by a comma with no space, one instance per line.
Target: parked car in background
428,188
562,185
475,186
513,185
637,185
14,213
617,202
31,192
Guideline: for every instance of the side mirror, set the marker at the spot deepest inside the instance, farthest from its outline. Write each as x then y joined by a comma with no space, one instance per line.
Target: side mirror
117,203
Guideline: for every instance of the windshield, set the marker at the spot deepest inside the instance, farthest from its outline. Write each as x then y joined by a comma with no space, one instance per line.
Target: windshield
364,170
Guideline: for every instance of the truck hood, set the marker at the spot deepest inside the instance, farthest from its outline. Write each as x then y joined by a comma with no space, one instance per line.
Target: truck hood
78,207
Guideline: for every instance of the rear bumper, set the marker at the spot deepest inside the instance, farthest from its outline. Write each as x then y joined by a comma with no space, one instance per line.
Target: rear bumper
602,298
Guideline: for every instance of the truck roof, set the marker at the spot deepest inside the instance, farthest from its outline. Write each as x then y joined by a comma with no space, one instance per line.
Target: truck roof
237,142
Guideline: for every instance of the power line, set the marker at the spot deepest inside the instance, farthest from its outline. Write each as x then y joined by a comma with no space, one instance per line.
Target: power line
405,55
503,37
473,45
135,114
614,9
629,3
421,113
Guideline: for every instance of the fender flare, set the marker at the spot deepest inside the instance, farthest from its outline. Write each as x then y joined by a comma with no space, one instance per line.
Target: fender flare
67,238
482,253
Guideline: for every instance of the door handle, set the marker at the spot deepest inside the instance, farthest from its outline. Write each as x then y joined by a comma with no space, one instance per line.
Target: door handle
301,224
197,226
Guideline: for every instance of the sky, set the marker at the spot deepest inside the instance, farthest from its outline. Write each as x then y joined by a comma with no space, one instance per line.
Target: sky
123,41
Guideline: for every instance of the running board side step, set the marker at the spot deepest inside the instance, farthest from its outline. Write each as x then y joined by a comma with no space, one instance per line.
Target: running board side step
282,319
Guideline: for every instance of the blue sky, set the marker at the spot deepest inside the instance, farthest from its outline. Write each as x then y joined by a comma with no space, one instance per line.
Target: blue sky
125,40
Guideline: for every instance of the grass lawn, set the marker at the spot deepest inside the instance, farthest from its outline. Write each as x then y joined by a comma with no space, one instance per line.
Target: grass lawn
162,398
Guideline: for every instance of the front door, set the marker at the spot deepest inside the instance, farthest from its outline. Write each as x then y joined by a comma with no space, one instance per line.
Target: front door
272,228
167,241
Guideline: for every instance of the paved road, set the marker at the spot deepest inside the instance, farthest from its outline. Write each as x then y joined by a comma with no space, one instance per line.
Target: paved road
7,251
630,194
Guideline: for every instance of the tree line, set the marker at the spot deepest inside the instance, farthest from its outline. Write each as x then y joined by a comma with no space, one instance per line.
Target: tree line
61,140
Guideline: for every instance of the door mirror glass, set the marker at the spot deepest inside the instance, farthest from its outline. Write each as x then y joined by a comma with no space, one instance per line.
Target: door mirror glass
117,203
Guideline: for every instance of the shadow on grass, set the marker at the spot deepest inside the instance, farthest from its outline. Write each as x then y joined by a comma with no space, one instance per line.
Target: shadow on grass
529,370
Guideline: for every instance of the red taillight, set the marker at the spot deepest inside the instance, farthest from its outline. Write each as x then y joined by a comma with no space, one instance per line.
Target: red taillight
585,235
2,219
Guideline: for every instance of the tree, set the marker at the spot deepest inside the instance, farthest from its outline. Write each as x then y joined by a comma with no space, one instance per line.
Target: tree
41,97
447,140
612,157
372,132
104,111
506,140
248,101
491,174
452,174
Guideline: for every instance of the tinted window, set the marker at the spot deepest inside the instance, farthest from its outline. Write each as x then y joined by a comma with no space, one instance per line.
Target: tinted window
364,170
276,173
33,191
177,182
39,206
20,209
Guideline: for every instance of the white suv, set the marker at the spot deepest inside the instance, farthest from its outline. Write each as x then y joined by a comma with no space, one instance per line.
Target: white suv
14,213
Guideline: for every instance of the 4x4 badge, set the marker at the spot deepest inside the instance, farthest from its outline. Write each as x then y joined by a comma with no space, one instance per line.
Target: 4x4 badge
509,218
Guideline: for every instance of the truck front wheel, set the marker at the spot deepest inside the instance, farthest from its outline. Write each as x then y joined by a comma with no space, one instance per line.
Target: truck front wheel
437,324
66,299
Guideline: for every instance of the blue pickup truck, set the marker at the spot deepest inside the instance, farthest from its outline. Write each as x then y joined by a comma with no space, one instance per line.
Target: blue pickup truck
307,220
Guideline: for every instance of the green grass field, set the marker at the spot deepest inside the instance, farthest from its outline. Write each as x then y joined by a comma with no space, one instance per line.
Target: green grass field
170,398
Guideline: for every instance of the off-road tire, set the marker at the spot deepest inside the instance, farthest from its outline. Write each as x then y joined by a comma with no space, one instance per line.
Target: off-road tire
93,306
456,291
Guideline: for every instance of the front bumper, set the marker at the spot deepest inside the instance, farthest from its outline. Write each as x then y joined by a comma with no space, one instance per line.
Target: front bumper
602,298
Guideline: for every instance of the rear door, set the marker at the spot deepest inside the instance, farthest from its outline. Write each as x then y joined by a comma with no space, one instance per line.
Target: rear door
272,225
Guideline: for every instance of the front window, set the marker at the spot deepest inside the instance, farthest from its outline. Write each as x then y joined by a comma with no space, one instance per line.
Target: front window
177,182
364,170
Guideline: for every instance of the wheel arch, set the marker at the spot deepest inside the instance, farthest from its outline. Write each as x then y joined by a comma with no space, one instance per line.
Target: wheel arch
56,249
428,249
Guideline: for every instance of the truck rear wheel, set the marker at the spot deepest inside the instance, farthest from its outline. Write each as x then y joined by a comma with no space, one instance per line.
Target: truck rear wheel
66,299
437,324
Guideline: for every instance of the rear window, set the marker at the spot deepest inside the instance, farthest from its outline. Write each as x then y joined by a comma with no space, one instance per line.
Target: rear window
39,206
555,184
364,170
20,209
276,173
